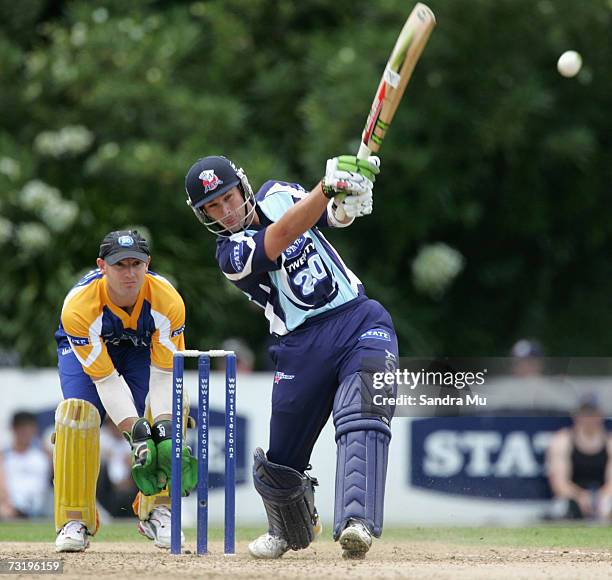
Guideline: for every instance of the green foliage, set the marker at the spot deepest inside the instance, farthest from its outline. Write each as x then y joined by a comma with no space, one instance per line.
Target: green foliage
106,105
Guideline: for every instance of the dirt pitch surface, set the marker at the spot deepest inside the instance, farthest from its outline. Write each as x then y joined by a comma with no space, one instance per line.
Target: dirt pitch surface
387,559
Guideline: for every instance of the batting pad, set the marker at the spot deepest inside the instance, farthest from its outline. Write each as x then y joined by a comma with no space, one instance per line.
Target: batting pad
76,463
362,440
360,480
288,498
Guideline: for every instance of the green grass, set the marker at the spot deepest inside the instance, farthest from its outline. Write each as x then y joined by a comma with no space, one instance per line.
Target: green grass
21,531
534,537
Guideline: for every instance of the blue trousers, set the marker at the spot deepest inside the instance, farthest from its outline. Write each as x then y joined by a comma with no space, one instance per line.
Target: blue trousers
133,363
311,362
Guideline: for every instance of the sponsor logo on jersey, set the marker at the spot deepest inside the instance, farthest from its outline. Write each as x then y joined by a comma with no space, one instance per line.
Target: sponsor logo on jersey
65,351
178,331
210,181
126,336
295,247
78,340
236,257
298,259
377,334
125,241
280,376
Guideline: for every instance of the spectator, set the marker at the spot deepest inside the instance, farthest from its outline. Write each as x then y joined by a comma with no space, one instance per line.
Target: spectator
116,489
25,471
245,358
528,358
579,463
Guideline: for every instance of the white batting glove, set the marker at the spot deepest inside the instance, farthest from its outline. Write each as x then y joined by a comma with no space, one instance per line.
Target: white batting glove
374,160
348,175
355,206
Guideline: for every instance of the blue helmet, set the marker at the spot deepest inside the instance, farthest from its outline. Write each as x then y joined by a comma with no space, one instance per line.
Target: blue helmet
210,177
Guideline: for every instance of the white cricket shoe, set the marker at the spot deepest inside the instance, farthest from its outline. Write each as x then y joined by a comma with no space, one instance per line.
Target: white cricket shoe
157,527
268,546
355,540
73,537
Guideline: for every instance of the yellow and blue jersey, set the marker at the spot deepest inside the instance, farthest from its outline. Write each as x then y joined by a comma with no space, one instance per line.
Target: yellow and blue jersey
91,322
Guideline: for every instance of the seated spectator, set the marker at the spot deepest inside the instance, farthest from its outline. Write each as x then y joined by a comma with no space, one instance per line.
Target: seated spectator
116,489
25,472
579,463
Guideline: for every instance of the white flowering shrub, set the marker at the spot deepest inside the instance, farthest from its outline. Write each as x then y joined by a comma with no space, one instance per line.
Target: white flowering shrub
6,230
67,142
35,194
10,167
435,267
47,203
32,237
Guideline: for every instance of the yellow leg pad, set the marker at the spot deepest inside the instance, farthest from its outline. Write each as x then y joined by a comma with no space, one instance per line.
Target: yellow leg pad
143,505
76,463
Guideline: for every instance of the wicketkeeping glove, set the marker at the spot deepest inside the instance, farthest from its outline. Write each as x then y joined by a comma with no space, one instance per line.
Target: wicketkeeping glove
348,175
144,458
162,436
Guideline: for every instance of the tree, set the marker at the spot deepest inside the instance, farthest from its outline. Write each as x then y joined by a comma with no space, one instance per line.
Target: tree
491,152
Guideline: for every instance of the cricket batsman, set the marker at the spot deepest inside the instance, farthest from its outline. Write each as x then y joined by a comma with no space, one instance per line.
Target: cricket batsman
120,326
331,338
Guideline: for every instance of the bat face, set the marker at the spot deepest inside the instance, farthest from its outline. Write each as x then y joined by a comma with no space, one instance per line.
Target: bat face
401,63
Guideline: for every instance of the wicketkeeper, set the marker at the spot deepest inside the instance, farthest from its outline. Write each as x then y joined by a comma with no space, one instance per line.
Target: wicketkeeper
120,326
331,338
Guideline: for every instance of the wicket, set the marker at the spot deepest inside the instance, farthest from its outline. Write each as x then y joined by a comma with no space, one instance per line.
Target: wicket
202,448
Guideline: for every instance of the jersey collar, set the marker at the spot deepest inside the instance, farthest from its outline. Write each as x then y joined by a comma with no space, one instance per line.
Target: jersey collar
128,320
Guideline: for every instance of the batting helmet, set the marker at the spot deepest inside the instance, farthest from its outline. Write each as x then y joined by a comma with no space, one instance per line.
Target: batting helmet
211,177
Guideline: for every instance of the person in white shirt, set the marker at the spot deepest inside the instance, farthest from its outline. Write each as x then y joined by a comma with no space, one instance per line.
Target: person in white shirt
25,471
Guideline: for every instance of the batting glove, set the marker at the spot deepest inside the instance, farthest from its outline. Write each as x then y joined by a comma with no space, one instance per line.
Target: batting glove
348,175
355,206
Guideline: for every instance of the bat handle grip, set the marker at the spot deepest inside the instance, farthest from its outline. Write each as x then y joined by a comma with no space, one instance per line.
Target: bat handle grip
363,153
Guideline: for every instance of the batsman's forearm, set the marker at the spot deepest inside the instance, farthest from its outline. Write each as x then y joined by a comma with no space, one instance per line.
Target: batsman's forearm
299,218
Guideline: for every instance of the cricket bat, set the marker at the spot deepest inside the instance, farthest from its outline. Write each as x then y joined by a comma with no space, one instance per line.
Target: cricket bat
406,52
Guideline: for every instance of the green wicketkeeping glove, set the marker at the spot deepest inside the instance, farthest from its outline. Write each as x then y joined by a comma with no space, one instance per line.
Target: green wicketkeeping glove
144,458
162,436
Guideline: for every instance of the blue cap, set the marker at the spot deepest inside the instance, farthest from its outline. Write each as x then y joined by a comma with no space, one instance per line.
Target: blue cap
122,244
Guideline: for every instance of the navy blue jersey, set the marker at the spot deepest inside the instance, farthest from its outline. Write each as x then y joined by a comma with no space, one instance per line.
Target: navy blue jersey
307,279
